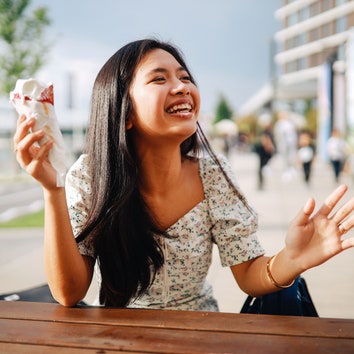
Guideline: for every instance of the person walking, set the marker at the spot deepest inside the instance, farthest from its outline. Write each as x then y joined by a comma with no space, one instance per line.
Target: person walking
306,154
337,150
286,138
264,148
149,198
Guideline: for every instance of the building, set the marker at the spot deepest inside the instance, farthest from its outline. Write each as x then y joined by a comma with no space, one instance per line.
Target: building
313,60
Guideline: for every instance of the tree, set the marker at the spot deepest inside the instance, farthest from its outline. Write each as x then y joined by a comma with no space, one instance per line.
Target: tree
23,50
223,110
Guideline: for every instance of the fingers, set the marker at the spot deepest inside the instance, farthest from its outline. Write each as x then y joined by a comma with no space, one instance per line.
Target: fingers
23,126
43,151
344,211
332,200
304,214
25,142
343,219
21,119
23,147
348,243
309,207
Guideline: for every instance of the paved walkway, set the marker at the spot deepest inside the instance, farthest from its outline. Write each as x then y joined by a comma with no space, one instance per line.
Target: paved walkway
331,285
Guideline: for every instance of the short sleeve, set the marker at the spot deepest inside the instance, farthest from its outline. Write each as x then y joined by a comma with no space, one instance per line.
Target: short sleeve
79,197
234,221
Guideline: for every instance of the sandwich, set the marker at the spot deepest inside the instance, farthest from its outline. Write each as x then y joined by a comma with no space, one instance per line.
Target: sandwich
35,99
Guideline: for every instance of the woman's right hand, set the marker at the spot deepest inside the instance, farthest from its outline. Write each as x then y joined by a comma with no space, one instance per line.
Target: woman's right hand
32,157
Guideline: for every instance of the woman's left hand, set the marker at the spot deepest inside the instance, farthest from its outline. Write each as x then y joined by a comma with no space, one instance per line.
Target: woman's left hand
314,239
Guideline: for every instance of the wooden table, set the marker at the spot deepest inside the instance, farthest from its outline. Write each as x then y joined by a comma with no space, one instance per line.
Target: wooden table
27,327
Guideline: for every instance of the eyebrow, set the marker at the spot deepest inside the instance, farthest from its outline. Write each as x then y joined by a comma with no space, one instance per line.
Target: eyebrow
164,71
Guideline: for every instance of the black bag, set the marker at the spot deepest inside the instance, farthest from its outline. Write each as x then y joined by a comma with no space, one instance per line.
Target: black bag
292,301
38,294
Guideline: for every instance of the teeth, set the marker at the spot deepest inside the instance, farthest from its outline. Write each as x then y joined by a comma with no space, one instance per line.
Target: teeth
180,107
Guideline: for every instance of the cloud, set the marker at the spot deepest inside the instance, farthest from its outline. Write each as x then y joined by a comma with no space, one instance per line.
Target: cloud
225,43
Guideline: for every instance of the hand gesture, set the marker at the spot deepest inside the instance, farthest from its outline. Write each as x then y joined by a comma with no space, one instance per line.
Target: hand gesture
32,157
312,240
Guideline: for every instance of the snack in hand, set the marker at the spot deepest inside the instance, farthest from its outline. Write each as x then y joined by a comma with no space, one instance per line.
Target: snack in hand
35,99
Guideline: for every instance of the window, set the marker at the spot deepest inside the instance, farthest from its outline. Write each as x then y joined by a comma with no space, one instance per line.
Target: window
327,29
341,52
327,5
304,13
340,2
302,63
341,24
293,19
314,9
314,34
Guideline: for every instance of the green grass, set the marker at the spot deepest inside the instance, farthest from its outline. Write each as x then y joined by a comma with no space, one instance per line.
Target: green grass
30,220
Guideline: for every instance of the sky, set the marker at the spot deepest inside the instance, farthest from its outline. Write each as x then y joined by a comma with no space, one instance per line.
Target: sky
226,43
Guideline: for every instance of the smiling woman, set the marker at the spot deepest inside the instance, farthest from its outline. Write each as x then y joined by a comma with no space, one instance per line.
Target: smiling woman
165,101
148,199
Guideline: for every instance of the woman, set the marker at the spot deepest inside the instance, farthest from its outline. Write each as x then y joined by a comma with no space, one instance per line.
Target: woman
264,148
306,154
148,206
338,151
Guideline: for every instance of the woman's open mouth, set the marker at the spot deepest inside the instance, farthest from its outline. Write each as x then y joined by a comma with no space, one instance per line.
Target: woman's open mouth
180,108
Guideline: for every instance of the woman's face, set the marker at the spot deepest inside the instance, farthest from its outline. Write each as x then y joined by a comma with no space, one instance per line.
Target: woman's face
165,101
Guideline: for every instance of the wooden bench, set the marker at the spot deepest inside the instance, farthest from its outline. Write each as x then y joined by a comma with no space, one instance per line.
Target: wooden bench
28,327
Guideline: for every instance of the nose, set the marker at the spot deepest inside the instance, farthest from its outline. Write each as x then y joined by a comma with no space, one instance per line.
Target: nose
180,88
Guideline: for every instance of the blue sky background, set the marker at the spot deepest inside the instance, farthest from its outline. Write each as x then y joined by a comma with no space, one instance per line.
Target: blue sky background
226,42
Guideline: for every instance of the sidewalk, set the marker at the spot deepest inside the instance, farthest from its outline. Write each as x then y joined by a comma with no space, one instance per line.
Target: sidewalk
331,285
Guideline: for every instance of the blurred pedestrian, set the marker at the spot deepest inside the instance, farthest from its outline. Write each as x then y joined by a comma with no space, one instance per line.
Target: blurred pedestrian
264,148
306,154
285,135
338,151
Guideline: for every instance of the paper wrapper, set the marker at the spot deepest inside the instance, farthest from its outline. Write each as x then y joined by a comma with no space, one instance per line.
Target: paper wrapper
35,99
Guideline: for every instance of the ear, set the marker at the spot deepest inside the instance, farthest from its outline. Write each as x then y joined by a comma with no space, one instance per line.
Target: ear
129,120
129,124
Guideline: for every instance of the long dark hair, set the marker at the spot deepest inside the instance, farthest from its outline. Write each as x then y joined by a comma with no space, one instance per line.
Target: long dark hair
123,230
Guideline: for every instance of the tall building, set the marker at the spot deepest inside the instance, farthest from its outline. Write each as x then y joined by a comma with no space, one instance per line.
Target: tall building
313,60
313,31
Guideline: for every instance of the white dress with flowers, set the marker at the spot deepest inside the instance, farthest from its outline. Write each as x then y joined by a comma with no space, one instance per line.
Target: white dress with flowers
221,219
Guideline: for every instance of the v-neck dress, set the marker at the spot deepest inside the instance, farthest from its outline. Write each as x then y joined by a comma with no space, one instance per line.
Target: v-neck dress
221,218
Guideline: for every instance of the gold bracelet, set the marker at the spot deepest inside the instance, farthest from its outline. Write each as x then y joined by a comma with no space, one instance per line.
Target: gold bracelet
270,276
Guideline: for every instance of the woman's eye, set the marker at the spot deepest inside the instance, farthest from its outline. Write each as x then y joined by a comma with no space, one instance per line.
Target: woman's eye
159,79
186,78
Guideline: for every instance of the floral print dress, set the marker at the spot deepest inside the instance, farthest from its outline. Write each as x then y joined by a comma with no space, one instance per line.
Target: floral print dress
221,218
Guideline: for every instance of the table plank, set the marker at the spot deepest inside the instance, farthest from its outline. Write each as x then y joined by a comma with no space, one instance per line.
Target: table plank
184,320
160,340
15,348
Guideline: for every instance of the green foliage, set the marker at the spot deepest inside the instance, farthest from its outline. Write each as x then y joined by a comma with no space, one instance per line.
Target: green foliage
223,110
310,114
23,50
311,121
30,220
248,125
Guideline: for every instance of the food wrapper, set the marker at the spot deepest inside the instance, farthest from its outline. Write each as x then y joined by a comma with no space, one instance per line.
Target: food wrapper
35,99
